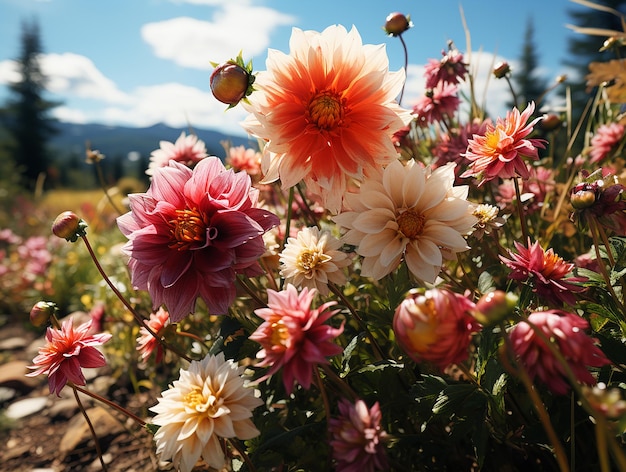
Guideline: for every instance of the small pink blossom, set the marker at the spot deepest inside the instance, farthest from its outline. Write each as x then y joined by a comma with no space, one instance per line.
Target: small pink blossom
435,326
604,141
246,159
294,336
450,69
357,438
188,150
567,331
146,342
436,104
191,233
66,352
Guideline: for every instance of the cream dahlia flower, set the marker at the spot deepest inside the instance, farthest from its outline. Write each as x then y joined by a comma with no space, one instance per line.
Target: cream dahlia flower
408,212
206,403
327,111
312,259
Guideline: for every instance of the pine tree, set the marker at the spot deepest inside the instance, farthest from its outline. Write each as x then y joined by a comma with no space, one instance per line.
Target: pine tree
26,115
529,86
584,49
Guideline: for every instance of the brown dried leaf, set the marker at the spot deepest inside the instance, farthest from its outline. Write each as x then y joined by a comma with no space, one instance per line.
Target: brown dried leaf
612,75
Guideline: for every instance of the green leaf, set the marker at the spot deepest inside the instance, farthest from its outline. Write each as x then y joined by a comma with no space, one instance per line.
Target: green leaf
152,428
486,282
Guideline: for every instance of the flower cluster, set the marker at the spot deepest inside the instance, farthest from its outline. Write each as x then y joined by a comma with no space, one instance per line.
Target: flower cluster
374,287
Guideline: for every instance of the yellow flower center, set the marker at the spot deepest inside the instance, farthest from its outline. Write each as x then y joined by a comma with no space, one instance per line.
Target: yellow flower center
279,333
492,140
188,228
411,223
308,261
326,110
209,406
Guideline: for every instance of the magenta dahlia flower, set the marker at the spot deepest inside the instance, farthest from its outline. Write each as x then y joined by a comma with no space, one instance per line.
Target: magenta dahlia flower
357,438
191,233
67,351
567,330
294,336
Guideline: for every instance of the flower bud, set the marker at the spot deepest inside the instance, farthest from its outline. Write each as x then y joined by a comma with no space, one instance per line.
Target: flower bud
69,226
230,82
502,69
583,196
494,306
41,313
550,122
435,326
397,23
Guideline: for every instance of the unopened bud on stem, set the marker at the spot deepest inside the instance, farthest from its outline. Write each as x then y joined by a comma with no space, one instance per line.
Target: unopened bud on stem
68,225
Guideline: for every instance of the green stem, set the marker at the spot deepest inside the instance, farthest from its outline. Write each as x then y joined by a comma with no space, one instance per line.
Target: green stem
377,350
127,304
91,428
105,189
520,211
111,404
233,442
521,373
406,64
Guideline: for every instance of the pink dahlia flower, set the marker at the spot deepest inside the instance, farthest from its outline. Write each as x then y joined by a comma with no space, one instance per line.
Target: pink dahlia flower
327,110
500,151
146,343
546,272
605,140
435,326
567,331
67,351
191,233
436,104
246,159
450,69
358,440
294,336
188,150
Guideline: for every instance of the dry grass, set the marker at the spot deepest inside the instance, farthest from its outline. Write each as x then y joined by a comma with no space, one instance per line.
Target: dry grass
91,205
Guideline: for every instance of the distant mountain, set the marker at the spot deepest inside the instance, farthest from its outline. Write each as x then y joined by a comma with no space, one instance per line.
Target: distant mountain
114,141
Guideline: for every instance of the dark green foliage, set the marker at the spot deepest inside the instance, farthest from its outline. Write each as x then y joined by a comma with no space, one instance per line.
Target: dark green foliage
26,116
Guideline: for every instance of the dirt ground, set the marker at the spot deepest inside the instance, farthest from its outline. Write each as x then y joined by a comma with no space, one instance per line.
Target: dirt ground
56,438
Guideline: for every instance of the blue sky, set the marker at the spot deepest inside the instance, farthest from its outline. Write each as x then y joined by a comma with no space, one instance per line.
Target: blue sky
140,62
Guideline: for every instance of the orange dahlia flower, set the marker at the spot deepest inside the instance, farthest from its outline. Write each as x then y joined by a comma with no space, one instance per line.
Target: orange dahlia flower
327,111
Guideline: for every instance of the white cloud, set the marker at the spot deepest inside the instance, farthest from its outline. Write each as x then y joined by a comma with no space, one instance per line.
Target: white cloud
71,74
175,105
76,74
8,72
196,43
